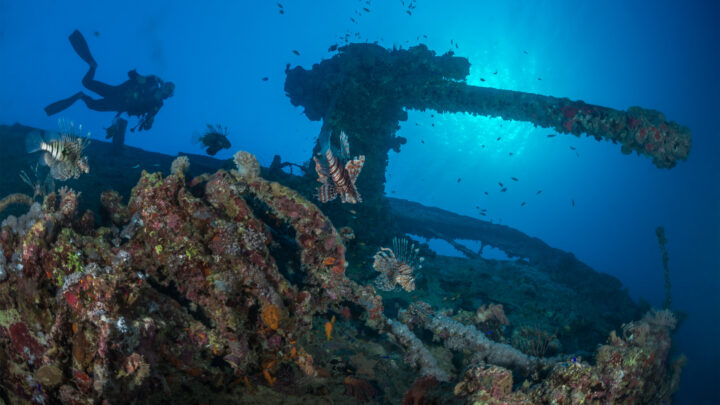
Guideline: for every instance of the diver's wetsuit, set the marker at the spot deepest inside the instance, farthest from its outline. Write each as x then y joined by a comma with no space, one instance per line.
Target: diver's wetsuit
140,96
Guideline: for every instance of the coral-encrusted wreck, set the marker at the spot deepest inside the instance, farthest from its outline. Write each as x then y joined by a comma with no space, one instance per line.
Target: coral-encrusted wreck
187,294
232,288
213,288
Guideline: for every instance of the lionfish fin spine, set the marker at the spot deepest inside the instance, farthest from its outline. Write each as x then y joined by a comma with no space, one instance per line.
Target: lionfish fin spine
354,167
344,144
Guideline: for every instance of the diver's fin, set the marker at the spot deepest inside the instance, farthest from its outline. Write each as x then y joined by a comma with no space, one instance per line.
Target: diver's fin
81,48
33,141
63,104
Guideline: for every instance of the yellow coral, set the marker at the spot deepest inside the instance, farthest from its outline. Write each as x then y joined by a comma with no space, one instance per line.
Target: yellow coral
271,316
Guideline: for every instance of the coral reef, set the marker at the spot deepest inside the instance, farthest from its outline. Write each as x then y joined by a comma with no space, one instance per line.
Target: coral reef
460,337
417,353
229,288
193,283
628,369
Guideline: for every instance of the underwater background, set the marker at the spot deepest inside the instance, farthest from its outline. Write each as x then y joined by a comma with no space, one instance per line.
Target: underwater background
597,203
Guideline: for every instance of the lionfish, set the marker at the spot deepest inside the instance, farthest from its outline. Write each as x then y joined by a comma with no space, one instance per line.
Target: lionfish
396,265
63,151
213,139
337,179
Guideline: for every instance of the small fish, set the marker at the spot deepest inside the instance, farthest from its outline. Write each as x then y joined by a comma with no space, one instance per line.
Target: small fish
265,78
525,52
503,190
498,138
495,72
333,48
136,166
424,36
96,33
539,78
483,146
522,204
296,52
510,153
282,11
280,5
552,135
514,178
456,46
459,179
329,328
486,193
501,185
408,12
482,80
572,148
353,20
422,141
367,10
156,164
573,202
482,213
538,192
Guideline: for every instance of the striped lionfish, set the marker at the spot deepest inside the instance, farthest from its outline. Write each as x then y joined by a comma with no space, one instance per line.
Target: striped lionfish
63,152
337,180
396,265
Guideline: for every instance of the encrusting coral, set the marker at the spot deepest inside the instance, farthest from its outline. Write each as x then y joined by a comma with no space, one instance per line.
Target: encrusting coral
17,198
247,164
162,304
213,286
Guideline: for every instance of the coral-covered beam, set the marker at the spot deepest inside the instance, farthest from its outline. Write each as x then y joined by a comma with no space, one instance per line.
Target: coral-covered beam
637,129
369,87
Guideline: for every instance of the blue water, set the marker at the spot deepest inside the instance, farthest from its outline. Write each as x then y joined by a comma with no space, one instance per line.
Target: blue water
661,55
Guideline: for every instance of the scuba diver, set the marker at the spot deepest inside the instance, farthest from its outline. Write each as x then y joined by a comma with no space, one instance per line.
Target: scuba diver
141,96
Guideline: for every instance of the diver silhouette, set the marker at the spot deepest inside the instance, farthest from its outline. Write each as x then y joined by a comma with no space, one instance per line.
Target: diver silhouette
140,96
